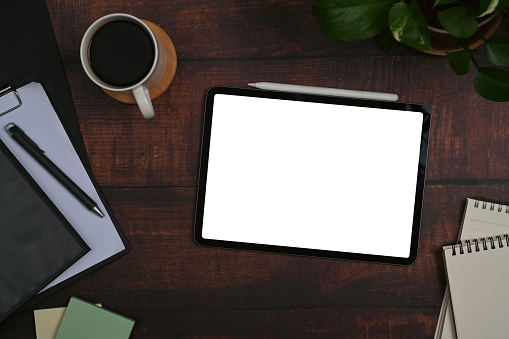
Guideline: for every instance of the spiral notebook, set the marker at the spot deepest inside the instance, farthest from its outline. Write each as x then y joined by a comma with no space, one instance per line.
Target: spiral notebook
481,218
477,273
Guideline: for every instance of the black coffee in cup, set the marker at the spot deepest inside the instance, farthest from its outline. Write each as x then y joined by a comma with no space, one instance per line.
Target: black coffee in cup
121,53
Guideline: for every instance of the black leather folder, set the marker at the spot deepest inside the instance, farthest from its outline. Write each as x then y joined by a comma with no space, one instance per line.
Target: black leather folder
37,243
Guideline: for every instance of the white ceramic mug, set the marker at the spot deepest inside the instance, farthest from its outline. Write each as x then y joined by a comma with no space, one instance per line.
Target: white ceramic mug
140,89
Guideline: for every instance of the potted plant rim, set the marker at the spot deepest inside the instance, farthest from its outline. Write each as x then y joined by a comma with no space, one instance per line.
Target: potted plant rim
454,28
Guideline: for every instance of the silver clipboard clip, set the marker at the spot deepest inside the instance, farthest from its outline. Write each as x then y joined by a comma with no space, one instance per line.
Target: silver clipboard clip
6,91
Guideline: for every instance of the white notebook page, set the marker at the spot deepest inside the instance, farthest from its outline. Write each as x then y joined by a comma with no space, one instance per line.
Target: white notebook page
480,221
478,288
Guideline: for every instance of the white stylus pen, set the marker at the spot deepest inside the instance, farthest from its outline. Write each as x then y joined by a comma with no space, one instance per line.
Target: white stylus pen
337,92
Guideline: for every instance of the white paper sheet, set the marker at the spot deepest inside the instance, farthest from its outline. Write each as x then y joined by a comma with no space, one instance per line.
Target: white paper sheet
40,122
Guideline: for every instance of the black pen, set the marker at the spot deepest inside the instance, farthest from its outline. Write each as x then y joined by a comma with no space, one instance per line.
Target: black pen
31,147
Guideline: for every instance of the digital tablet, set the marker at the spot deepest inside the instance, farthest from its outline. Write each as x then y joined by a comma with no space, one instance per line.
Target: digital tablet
312,175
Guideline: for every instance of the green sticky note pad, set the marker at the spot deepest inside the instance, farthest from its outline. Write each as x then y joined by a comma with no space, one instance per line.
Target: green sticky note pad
84,320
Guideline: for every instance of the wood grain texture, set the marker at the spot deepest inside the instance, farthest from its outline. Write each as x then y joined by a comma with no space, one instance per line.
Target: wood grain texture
175,288
224,29
363,323
148,172
468,133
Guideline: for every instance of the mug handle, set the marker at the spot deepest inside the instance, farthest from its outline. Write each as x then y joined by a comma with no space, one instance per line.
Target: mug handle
142,97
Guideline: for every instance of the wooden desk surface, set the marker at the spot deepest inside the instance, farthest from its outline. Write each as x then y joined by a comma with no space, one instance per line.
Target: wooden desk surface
148,172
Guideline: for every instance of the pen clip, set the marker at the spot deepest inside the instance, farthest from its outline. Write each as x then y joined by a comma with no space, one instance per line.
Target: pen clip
20,130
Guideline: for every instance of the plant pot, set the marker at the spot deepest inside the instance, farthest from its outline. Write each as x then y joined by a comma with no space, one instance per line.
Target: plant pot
444,42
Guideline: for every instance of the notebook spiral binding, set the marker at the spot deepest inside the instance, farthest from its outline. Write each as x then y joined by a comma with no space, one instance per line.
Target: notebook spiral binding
483,203
492,241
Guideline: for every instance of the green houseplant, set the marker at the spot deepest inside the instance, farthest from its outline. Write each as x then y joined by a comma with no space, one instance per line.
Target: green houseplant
388,21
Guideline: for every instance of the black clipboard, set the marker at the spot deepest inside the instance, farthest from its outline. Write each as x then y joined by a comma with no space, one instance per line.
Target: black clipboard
225,109
11,88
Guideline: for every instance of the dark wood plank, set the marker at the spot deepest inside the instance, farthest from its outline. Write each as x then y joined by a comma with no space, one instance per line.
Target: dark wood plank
221,29
467,138
300,323
216,30
280,323
166,263
200,290
167,269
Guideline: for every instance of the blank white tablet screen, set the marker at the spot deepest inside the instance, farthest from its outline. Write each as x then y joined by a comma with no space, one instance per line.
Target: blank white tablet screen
312,175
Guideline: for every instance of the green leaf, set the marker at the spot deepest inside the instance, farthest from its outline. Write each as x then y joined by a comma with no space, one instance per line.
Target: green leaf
446,2
408,25
487,7
460,61
492,84
491,6
385,40
352,20
498,50
502,4
459,21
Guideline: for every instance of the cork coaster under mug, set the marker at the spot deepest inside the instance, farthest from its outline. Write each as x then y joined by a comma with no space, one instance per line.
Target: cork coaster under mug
169,73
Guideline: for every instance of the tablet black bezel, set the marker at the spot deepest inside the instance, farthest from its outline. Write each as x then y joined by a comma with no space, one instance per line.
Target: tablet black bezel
200,203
